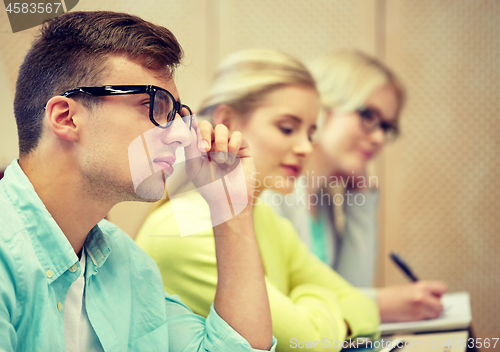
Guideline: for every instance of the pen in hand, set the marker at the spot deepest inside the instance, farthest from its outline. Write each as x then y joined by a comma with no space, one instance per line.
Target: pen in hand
403,266
421,299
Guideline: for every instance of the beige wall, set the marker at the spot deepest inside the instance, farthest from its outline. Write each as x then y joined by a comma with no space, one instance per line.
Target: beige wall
441,181
438,181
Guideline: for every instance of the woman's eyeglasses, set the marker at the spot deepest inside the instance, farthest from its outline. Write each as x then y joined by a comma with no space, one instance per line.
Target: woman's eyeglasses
371,119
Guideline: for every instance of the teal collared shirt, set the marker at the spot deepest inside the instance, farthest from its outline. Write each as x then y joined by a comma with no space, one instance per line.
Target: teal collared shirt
124,296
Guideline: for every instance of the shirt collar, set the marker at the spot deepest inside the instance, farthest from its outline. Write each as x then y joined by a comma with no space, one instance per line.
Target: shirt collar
53,250
96,247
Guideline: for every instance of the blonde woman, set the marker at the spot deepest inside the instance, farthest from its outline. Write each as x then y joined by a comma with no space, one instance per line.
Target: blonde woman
362,100
272,100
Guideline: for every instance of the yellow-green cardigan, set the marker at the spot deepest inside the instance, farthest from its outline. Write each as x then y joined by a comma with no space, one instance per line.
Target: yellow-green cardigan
309,301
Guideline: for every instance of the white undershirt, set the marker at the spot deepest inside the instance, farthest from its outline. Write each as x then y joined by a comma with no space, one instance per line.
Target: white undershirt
79,335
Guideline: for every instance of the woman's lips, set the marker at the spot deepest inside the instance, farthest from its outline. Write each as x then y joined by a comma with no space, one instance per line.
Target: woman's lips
292,170
366,154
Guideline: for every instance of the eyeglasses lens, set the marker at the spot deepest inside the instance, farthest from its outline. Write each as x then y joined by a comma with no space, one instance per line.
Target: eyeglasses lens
186,116
371,120
163,109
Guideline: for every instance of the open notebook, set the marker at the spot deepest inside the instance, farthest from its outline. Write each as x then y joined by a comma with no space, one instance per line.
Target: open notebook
456,315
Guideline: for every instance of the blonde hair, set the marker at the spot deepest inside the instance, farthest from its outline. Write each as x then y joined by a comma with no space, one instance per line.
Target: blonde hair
244,79
345,79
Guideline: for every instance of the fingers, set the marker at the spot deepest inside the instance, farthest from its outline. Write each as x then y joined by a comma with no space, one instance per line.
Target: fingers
237,146
214,140
221,143
196,147
233,146
437,288
206,134
432,308
428,298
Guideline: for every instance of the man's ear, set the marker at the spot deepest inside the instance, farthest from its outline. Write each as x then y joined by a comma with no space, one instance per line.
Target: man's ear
60,114
226,115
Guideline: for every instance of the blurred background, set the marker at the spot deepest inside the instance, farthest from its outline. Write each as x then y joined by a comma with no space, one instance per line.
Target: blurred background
439,187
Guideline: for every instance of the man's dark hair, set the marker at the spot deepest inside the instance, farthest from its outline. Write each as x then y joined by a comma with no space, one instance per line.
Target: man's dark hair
71,51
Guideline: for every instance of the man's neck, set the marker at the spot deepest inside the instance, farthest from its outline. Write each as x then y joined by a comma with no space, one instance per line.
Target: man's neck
65,195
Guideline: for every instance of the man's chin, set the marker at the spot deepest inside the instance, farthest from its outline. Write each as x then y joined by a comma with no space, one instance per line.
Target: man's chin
151,189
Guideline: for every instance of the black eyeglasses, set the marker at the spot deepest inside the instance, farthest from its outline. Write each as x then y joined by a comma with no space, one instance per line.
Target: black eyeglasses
162,105
371,119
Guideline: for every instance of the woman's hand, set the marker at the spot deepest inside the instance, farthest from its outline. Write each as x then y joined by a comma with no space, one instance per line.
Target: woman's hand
411,302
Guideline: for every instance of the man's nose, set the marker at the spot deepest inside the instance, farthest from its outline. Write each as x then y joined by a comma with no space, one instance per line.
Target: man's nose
178,132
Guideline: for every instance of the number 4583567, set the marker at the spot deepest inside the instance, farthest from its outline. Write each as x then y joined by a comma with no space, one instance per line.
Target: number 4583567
33,7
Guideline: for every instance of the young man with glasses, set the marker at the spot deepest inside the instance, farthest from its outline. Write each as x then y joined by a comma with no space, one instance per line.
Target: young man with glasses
91,85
